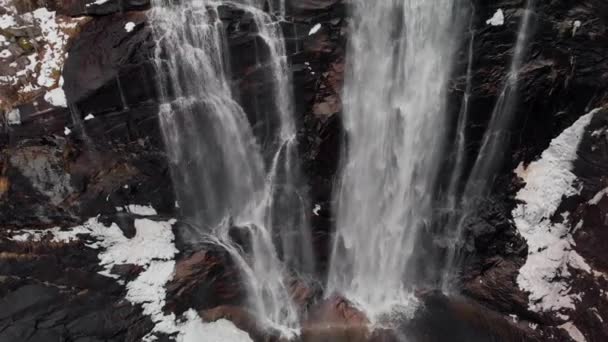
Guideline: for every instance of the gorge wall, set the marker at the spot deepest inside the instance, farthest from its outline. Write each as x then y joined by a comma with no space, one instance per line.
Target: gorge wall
534,264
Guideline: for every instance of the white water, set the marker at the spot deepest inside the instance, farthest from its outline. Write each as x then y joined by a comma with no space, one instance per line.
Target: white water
399,62
490,155
463,120
217,165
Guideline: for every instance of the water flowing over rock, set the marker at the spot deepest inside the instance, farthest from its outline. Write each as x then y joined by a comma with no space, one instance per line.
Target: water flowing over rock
489,160
303,170
394,103
218,165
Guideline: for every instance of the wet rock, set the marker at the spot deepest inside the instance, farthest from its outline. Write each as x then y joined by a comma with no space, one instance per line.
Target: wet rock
128,272
304,293
203,280
336,311
462,320
497,286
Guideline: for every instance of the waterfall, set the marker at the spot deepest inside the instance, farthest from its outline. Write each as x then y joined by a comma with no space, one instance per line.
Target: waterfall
497,132
399,61
221,180
495,140
463,118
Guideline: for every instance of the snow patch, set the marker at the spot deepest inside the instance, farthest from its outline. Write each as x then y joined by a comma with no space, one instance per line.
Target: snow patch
7,21
14,117
498,19
5,53
129,26
67,131
314,29
316,209
56,97
141,210
89,117
550,245
55,234
220,331
153,248
53,58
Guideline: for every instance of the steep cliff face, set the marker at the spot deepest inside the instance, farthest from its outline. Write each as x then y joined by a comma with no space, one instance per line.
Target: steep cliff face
84,142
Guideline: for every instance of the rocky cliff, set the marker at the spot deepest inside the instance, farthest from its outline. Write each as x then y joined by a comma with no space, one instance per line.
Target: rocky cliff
89,246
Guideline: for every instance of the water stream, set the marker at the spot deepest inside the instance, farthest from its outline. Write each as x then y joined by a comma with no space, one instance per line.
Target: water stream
226,180
490,155
220,177
399,62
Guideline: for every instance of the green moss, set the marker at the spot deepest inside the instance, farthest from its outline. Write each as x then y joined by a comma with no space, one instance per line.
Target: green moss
25,44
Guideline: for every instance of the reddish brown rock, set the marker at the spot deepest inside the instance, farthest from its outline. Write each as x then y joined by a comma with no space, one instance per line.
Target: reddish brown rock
204,280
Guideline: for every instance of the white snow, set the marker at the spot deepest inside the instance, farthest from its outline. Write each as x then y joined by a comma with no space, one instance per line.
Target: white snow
153,248
89,117
53,55
45,64
56,234
149,291
550,245
141,210
56,97
67,131
498,19
573,331
129,26
6,21
5,53
220,331
314,29
14,117
152,241
316,209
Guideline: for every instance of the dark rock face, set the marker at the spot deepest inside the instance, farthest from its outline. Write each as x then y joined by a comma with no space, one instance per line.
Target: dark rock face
37,312
562,79
93,8
109,68
57,181
52,291
204,280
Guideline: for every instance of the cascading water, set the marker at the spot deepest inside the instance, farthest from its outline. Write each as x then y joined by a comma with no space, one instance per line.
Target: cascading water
463,118
218,168
399,63
497,132
494,141
284,204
